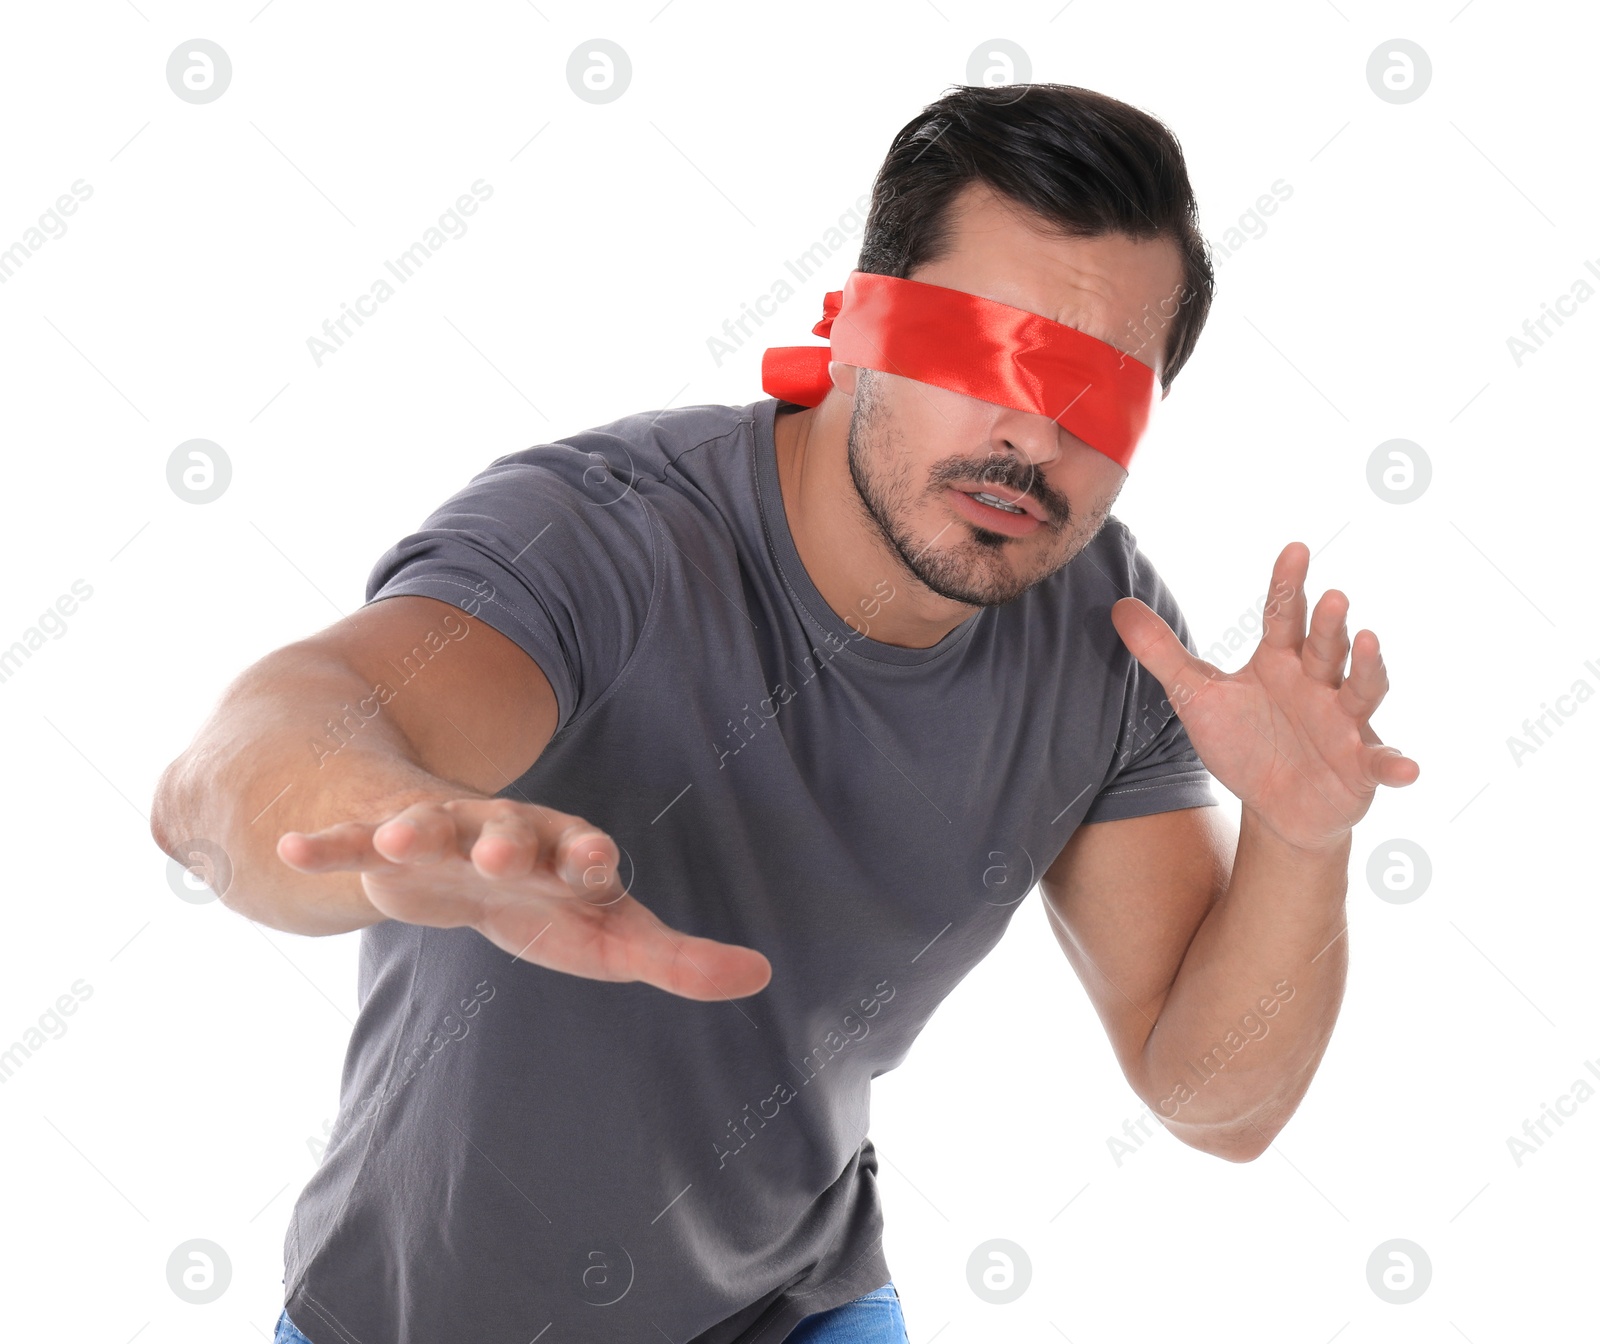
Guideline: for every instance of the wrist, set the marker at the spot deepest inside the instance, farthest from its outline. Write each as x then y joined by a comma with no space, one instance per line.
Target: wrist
1256,830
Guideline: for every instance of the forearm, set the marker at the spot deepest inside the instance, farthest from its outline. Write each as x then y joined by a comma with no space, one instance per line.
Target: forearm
290,748
1251,1010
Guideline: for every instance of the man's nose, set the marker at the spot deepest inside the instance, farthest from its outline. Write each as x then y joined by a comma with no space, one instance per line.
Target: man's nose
1033,439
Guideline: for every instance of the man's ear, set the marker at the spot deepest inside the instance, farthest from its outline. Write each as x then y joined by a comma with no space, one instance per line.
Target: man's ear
844,377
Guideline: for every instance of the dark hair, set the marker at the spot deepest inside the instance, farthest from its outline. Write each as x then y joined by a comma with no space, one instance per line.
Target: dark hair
1086,163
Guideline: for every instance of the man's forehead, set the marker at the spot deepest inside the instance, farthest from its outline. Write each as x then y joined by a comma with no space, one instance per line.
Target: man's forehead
1113,287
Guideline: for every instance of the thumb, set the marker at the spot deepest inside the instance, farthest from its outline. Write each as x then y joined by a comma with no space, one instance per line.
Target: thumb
1159,650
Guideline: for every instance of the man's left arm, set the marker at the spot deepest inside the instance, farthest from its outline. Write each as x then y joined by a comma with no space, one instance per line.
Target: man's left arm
1215,958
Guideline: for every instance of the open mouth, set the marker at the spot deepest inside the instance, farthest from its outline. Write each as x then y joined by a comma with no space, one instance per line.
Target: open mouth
995,502
991,511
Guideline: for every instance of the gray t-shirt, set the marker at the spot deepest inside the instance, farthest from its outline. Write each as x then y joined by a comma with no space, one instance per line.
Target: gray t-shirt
524,1154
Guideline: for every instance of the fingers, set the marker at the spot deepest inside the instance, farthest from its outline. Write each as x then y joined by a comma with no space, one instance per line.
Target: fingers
1283,623
422,833
640,947
1363,690
1389,766
554,894
588,859
702,968
1360,695
624,941
346,847
1328,644
503,838
419,833
1159,650
506,840
508,843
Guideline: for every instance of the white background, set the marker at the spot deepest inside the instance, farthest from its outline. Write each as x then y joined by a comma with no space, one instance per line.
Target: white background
1377,304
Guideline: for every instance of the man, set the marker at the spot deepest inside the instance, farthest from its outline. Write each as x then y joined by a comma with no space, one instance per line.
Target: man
676,771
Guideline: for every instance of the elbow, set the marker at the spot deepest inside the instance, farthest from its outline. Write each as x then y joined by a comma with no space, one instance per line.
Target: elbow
171,806
1237,1141
206,863
161,810
1236,1150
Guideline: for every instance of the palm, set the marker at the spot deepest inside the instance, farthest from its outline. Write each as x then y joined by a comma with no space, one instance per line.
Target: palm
543,886
1289,734
600,934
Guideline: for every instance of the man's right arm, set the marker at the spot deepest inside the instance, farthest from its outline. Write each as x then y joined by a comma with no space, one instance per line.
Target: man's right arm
323,732
395,817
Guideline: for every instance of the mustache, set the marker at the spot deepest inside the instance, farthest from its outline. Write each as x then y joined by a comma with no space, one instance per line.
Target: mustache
1007,478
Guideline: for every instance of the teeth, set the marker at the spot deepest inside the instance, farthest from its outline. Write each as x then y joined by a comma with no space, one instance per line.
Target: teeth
996,503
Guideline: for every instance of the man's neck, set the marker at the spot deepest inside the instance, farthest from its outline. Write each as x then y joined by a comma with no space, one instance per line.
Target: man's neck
852,565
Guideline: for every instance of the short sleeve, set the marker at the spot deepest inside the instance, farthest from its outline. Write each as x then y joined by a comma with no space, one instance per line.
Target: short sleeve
1156,768
551,548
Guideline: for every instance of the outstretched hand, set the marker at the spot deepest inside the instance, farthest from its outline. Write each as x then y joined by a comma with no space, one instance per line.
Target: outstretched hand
1289,734
542,885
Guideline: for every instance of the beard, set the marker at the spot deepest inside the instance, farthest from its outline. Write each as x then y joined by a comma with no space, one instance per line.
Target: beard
978,567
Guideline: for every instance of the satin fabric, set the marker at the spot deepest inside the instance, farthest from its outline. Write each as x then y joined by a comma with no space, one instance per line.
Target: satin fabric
977,347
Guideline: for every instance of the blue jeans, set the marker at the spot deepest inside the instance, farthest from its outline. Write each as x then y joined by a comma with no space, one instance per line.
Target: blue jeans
873,1319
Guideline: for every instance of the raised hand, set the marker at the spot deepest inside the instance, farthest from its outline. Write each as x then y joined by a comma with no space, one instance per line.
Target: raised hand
1289,734
542,885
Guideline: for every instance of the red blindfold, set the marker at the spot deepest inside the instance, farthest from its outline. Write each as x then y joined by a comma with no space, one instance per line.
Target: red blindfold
977,347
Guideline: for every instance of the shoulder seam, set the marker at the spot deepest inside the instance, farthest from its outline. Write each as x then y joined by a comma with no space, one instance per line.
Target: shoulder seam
741,423
652,607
